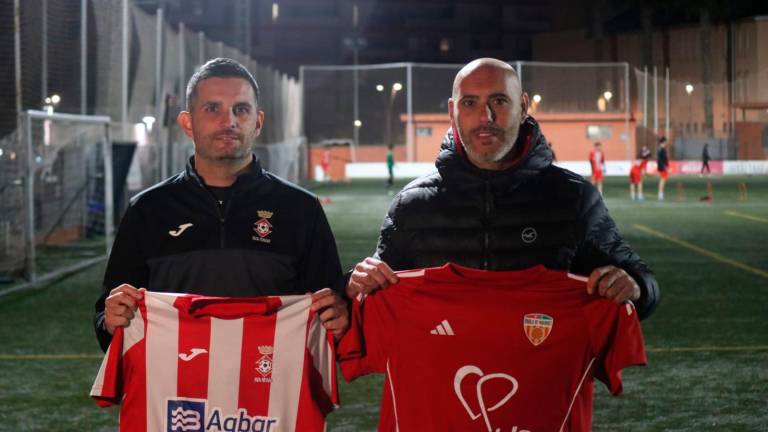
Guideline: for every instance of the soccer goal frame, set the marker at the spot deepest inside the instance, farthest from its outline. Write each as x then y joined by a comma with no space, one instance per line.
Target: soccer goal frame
50,148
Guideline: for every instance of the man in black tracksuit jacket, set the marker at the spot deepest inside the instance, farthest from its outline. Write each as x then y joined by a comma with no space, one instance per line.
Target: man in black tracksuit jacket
224,226
507,210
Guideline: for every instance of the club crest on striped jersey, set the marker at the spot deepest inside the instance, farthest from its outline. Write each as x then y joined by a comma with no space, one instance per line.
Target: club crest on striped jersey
264,364
263,227
537,327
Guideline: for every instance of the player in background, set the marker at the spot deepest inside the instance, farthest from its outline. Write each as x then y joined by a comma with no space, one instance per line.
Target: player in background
597,163
662,165
705,160
636,174
224,226
325,162
495,162
390,168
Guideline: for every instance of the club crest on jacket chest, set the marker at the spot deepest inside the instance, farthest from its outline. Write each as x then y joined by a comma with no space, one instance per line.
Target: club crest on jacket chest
262,228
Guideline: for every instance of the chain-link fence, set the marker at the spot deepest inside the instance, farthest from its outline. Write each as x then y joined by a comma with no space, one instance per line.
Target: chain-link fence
405,105
111,59
693,113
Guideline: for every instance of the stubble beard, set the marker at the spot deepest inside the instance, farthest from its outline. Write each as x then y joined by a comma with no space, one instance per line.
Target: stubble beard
508,137
231,155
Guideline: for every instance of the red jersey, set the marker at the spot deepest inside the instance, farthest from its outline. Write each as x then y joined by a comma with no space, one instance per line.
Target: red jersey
596,161
466,349
196,363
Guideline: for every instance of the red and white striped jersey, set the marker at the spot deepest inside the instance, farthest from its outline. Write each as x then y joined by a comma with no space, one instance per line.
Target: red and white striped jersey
196,363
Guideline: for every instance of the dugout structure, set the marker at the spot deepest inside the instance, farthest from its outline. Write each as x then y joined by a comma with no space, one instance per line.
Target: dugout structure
56,197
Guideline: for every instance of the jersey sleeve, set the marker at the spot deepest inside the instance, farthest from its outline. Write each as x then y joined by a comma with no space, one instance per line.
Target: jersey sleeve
370,335
107,388
617,341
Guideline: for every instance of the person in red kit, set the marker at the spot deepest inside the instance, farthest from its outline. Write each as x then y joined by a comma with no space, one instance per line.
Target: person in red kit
636,174
597,163
495,204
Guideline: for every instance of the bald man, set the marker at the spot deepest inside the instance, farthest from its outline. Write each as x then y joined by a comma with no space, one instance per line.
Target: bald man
497,202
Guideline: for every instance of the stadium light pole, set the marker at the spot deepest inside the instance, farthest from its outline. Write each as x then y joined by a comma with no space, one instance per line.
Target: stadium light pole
689,90
396,87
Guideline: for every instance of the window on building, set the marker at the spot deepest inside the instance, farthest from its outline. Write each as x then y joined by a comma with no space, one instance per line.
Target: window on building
599,132
424,131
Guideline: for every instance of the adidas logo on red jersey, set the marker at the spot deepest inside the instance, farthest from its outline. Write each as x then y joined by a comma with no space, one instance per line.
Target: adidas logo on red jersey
443,329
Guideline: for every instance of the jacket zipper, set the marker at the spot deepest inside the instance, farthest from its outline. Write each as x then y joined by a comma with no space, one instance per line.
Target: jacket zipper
486,224
223,219
222,216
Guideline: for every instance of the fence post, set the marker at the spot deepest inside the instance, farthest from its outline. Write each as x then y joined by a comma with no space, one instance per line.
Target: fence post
109,203
627,135
409,125
29,186
124,72
83,56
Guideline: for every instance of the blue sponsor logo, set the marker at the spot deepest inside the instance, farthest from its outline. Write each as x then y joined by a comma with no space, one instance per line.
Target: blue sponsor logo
185,416
190,416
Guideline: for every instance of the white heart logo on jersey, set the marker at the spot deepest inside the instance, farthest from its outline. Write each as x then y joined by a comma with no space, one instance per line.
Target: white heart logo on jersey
463,372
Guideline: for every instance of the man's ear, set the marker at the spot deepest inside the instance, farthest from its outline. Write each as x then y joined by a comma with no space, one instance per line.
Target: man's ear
259,122
524,104
184,119
450,111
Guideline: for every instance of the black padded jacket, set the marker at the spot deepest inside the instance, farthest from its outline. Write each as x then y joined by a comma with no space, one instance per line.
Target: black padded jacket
269,238
532,213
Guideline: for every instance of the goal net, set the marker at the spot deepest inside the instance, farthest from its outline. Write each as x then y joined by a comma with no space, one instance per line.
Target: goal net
56,196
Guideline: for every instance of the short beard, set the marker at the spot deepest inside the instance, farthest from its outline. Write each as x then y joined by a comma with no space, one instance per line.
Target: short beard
503,153
239,153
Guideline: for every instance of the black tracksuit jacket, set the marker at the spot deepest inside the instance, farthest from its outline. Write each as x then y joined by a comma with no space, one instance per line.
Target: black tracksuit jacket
532,213
221,253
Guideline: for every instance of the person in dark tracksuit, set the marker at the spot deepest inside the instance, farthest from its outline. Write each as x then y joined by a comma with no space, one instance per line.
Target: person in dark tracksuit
662,166
705,159
224,226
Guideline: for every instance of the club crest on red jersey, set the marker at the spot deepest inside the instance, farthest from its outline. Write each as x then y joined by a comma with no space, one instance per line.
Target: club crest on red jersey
262,227
537,327
264,364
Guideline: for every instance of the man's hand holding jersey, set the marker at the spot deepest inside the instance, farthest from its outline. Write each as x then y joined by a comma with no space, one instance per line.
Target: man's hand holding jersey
332,310
614,284
368,276
120,306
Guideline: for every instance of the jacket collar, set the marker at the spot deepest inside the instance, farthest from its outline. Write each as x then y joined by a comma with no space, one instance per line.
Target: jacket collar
453,165
244,180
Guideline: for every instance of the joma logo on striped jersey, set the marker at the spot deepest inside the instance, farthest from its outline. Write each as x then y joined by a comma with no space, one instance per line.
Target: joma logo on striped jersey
194,352
190,416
